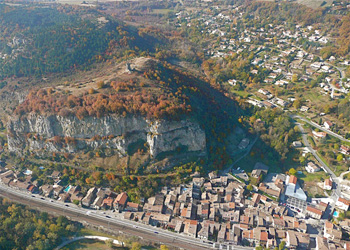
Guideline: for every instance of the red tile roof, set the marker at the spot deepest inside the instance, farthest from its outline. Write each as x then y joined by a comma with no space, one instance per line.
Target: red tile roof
346,202
263,236
314,210
328,182
293,179
121,198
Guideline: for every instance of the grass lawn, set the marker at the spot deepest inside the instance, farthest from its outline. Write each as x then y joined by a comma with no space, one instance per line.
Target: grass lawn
313,177
339,169
161,11
91,245
314,3
241,93
309,182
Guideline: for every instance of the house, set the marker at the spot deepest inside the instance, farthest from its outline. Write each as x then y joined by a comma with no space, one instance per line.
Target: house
295,196
345,150
256,198
33,189
90,197
328,124
212,175
314,212
120,201
297,144
191,227
342,204
133,207
327,185
311,167
64,197
47,190
97,204
331,231
56,174
319,135
321,243
259,169
76,196
244,143
107,203
304,108
57,189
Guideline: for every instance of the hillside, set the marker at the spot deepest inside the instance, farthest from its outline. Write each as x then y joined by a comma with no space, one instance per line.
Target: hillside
141,108
36,40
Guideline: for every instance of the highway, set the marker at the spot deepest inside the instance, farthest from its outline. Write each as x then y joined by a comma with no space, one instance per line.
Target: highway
336,189
92,217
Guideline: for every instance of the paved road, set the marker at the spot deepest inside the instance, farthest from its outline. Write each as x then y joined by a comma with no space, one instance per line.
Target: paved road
319,127
112,224
336,189
247,150
89,237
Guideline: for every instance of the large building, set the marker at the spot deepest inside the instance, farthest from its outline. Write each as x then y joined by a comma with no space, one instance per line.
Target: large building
294,194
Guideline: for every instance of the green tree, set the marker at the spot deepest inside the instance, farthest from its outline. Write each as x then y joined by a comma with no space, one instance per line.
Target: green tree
292,171
282,245
340,157
109,243
136,246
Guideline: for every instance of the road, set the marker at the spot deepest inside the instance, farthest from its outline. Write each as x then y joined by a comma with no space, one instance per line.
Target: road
319,127
229,169
112,224
89,237
336,189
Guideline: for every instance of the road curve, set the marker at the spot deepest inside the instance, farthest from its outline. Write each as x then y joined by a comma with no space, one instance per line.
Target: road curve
323,164
319,127
89,237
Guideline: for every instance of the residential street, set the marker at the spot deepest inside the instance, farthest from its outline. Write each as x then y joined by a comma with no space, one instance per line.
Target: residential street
336,190
319,127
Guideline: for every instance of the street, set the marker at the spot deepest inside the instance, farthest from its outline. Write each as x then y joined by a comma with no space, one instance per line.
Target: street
319,127
336,189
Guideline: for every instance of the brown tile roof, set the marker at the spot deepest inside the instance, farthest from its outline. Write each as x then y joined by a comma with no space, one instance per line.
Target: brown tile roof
293,179
346,202
263,236
314,210
328,182
121,198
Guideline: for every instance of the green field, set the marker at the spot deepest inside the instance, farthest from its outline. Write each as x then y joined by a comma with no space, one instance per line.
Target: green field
314,3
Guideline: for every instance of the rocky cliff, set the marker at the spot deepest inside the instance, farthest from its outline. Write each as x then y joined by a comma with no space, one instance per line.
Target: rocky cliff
54,133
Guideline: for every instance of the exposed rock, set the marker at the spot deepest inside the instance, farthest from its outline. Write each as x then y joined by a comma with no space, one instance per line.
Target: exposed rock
36,133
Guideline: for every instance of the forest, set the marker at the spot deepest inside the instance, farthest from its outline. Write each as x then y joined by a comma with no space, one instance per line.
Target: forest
24,229
54,40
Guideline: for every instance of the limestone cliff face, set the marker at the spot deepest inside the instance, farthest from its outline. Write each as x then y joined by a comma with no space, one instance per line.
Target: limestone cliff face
53,133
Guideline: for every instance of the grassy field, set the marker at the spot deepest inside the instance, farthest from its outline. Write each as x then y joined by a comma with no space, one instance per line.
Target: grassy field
314,3
91,245
161,11
310,180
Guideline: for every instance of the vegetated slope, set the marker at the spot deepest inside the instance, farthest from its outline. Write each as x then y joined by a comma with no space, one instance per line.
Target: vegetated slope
40,40
21,228
147,88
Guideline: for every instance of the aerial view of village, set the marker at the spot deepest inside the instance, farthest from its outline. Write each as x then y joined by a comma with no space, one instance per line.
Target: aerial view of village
175,124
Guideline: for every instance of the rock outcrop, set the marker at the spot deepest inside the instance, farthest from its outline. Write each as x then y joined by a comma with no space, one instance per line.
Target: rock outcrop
53,133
